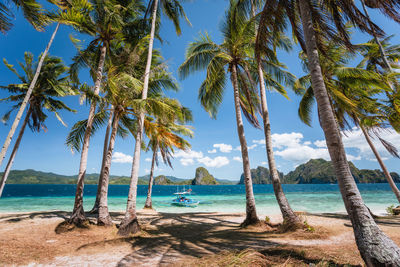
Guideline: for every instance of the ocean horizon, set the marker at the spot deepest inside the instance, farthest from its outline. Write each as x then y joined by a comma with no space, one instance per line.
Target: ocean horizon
313,198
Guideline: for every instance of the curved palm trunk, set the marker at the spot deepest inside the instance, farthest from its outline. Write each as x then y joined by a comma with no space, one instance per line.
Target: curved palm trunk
381,49
148,204
383,166
14,152
130,223
290,219
251,213
26,98
95,208
78,214
375,247
104,216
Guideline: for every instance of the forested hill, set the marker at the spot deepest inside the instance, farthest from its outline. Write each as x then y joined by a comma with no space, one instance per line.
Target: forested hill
37,177
319,171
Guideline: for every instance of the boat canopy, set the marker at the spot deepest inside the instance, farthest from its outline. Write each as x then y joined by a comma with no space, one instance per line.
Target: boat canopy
182,193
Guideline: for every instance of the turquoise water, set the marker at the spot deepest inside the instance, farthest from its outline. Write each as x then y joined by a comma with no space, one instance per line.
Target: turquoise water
231,198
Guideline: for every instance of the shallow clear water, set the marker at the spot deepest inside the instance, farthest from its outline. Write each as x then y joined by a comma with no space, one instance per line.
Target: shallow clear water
221,198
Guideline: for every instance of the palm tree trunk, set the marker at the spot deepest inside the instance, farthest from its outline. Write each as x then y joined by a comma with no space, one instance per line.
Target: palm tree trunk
95,208
78,214
14,152
251,213
26,98
383,166
104,216
130,223
290,219
148,204
375,247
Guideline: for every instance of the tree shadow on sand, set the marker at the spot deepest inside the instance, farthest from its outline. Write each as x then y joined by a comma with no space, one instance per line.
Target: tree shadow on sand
381,220
168,237
18,217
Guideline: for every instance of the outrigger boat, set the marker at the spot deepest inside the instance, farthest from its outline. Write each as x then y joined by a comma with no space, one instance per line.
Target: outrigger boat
182,200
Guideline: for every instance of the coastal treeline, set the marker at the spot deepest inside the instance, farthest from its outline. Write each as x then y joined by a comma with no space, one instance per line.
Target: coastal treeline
130,77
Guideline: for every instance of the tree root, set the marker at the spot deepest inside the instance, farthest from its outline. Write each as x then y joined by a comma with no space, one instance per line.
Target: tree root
129,226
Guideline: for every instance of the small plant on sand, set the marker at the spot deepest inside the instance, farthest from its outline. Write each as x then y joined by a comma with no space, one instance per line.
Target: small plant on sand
267,219
308,227
389,210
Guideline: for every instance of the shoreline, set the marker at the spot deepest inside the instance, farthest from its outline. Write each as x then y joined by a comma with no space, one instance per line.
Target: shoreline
179,239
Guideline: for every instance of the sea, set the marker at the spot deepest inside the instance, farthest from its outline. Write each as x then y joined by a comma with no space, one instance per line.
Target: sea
314,198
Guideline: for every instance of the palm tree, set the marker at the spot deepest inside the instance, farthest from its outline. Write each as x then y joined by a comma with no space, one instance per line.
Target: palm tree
105,21
31,10
374,61
163,137
351,92
229,57
267,60
51,84
174,11
374,246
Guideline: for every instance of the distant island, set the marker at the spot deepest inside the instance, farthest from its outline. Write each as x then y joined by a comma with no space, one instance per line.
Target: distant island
315,171
202,177
319,171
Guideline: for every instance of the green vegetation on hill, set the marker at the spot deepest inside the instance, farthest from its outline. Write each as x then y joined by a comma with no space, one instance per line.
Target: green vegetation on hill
203,177
320,171
315,171
162,180
260,175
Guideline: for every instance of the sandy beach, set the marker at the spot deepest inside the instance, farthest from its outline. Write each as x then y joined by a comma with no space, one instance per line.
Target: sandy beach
186,239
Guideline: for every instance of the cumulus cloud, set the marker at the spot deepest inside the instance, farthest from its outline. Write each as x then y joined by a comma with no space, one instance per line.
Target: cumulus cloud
187,158
259,142
293,147
252,146
239,159
264,163
119,157
224,148
290,146
238,148
148,159
191,157
356,140
215,162
213,151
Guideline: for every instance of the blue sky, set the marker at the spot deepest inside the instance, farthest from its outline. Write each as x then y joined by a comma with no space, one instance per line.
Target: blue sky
215,143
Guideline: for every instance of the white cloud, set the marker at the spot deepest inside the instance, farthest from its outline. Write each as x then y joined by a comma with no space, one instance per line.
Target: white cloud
187,158
215,162
238,148
239,159
259,142
264,163
213,151
224,148
293,147
320,143
290,146
356,140
286,140
190,157
148,159
252,146
119,157
187,162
